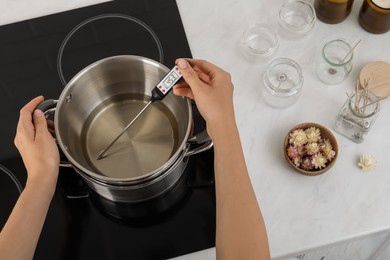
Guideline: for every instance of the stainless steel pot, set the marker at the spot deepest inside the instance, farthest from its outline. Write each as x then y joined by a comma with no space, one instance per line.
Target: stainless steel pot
98,103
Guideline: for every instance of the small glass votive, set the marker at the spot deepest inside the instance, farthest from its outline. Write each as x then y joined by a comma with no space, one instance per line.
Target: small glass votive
297,17
334,63
283,80
357,115
260,40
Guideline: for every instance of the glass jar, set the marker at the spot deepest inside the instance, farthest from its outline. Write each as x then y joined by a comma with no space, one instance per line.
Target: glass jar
357,116
260,40
374,16
334,62
296,18
333,11
283,81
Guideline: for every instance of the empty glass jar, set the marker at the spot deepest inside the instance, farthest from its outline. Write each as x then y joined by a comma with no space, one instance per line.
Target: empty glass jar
283,81
334,62
357,116
260,40
296,18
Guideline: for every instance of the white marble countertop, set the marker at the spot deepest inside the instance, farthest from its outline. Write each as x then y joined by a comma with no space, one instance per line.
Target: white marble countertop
300,212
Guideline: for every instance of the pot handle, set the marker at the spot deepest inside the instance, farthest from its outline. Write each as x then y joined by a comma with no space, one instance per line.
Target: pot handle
201,141
48,107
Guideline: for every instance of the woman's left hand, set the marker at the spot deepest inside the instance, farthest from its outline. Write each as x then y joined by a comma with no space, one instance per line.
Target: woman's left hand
36,145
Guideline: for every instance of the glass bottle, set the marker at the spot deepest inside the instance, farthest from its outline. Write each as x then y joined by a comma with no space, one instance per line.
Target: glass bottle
357,116
374,16
333,11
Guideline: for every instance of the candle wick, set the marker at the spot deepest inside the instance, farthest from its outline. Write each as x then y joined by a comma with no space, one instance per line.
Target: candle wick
351,50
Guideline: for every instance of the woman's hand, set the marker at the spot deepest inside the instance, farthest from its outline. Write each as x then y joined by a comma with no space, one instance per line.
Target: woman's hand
210,87
36,145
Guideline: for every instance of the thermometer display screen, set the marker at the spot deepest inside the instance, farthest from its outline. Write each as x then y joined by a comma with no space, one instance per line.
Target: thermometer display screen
170,80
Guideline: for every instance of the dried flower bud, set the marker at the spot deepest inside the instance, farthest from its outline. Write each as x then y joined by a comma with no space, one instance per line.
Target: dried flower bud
297,161
367,162
298,137
318,161
306,164
312,148
294,151
313,134
327,150
326,145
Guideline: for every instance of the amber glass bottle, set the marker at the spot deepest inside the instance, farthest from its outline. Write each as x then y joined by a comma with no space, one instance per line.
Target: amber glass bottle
374,16
333,11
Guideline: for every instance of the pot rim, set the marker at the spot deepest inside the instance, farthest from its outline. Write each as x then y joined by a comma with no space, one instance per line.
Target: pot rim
62,99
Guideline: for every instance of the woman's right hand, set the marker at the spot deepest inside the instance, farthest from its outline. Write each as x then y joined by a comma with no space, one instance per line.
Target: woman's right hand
210,87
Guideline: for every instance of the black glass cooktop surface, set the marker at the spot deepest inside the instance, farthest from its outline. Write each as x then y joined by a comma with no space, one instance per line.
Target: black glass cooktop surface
38,57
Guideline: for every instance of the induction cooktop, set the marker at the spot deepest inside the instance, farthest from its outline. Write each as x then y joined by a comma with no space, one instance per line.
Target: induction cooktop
38,57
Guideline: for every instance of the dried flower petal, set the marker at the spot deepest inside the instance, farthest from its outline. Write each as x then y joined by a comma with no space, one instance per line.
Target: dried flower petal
318,161
313,134
298,137
312,148
367,162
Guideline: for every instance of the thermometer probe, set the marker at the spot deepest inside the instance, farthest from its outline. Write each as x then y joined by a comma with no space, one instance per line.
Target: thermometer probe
158,93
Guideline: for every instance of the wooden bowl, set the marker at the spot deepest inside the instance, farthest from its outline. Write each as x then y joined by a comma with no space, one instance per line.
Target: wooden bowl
325,134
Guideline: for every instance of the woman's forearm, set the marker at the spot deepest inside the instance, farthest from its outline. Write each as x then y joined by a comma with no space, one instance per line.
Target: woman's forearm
238,213
20,235
240,228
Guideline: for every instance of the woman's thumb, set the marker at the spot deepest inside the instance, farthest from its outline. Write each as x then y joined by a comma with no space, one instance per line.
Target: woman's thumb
39,122
188,73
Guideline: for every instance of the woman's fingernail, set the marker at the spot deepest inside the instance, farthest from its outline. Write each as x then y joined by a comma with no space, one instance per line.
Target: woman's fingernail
38,113
182,63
